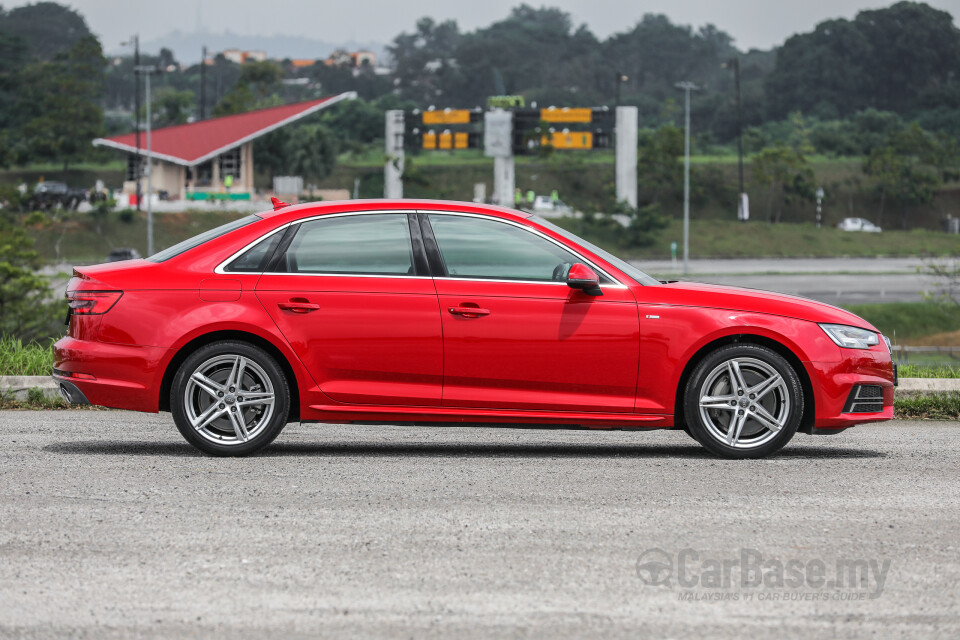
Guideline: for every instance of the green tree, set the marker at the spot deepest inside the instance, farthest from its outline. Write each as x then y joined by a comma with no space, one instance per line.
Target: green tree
658,163
47,28
904,170
57,105
27,308
787,175
255,89
171,106
308,150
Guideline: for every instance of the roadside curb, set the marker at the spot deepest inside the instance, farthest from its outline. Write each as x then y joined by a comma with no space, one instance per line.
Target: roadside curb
18,386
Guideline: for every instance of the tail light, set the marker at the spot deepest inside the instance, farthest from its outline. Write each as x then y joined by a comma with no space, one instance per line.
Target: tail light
83,303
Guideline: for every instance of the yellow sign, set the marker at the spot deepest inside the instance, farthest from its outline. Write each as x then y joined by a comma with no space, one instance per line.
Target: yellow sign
447,116
569,140
445,140
566,114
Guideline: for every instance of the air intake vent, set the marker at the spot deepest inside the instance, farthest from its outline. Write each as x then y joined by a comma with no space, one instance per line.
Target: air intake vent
865,398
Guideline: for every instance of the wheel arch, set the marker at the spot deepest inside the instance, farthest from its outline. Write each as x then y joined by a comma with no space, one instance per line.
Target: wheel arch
809,408
243,336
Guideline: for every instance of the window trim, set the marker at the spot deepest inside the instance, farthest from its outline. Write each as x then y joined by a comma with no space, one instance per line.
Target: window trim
426,237
220,268
425,222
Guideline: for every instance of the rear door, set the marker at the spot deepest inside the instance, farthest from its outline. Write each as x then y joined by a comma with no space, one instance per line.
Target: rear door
515,335
352,295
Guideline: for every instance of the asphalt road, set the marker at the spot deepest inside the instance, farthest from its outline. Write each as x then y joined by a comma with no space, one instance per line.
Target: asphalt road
111,526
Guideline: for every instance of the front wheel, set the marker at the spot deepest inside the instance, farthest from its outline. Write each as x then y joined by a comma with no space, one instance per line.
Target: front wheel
230,399
743,401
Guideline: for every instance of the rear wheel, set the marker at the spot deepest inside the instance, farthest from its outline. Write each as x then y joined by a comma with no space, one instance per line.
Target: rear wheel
743,401
230,398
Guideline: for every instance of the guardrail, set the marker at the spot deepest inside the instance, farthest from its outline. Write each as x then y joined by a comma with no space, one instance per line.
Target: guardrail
924,355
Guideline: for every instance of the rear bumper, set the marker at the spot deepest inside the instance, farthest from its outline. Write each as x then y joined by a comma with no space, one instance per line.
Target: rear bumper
113,375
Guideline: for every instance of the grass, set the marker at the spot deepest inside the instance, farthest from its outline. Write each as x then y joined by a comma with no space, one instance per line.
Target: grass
928,371
18,359
930,406
910,322
757,239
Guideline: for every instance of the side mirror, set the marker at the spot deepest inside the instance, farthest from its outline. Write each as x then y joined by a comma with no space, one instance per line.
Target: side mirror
582,277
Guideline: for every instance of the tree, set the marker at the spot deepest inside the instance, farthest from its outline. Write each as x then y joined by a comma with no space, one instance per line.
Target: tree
255,89
27,308
171,106
57,105
658,163
905,169
308,150
787,174
47,28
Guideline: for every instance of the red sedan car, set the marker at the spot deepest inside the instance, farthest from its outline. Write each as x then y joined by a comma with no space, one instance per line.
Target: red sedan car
447,312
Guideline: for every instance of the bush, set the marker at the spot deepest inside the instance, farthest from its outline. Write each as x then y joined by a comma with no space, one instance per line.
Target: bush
127,216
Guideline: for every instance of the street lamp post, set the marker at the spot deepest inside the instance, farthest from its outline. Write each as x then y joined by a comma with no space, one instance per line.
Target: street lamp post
741,209
135,41
686,87
148,70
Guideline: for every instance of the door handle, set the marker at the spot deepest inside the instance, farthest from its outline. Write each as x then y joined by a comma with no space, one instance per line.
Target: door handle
298,306
469,312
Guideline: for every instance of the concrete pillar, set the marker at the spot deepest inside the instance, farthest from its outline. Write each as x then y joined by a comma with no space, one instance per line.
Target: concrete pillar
393,169
498,143
626,167
504,181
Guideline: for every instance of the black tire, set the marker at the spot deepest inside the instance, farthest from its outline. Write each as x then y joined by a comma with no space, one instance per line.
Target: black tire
743,425
227,422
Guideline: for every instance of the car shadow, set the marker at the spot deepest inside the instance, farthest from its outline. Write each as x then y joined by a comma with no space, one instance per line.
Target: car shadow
451,450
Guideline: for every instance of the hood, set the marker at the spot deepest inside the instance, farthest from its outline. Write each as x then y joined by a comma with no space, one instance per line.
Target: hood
695,294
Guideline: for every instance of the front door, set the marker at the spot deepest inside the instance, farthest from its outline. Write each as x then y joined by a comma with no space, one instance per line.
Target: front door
515,335
357,306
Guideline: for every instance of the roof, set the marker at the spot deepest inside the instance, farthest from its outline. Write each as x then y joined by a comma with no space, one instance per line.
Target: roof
195,143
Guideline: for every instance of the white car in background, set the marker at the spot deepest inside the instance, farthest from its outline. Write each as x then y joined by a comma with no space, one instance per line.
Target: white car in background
858,224
548,208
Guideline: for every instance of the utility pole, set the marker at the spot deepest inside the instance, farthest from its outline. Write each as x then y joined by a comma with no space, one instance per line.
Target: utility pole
203,84
148,70
742,211
136,110
686,87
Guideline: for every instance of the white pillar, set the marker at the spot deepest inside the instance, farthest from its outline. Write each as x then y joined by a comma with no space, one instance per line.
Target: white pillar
498,143
504,181
626,168
393,169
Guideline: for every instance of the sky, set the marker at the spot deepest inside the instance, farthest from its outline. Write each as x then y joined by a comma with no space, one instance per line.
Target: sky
752,23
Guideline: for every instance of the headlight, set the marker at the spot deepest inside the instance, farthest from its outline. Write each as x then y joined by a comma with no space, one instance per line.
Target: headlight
850,337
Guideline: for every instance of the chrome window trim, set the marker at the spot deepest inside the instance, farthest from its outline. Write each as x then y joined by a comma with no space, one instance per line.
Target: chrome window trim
591,263
220,268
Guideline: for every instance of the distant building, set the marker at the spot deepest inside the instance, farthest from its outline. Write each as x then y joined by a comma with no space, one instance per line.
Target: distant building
237,56
193,161
343,58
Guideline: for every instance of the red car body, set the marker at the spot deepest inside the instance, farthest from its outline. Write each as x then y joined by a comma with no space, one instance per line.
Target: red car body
412,349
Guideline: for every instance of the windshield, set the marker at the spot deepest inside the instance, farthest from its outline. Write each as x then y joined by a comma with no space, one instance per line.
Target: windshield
198,240
622,265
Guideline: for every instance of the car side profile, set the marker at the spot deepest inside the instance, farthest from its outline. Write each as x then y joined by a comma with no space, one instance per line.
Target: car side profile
408,311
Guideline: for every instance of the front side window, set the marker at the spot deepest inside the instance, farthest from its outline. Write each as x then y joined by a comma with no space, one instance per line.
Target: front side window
478,248
369,244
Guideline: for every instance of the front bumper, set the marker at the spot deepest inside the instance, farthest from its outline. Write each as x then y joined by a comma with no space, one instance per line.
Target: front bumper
838,379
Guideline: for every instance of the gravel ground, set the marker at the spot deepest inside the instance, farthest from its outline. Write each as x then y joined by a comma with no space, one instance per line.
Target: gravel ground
112,526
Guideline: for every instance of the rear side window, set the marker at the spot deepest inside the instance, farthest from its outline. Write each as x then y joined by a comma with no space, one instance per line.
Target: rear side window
198,240
367,244
254,259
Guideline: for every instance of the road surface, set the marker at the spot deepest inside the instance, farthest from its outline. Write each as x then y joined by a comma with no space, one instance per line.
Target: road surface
113,527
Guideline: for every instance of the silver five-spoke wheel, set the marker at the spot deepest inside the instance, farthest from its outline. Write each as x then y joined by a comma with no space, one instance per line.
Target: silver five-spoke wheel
230,398
743,401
